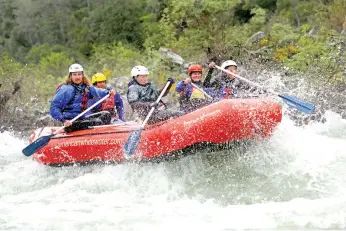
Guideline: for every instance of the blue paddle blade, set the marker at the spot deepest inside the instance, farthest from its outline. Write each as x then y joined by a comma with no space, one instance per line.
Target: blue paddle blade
132,142
299,104
36,145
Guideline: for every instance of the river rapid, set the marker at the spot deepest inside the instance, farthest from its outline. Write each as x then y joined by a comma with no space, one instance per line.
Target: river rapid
293,180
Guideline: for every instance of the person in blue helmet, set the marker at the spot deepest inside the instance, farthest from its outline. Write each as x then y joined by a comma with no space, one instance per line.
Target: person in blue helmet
73,97
99,80
142,95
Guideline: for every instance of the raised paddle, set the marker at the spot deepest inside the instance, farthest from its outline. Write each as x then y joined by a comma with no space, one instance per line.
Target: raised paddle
135,137
201,90
290,100
44,140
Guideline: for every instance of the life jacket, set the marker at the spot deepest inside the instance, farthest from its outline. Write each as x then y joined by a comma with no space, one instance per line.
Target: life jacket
58,87
108,105
196,94
85,97
227,93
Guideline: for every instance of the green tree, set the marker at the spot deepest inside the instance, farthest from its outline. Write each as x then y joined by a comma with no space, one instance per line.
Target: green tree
118,21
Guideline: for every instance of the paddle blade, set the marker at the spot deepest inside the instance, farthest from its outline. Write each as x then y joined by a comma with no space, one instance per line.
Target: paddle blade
299,104
36,145
132,142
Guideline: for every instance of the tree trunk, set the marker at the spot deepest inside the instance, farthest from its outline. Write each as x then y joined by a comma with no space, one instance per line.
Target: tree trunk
295,12
6,96
89,6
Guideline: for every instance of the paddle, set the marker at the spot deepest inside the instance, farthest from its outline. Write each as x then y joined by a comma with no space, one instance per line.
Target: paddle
201,90
290,100
135,137
44,140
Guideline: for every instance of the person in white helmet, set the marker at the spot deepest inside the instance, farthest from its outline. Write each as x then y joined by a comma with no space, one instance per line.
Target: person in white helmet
142,95
73,97
226,85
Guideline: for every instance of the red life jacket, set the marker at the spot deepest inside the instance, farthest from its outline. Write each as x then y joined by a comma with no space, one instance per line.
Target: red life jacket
108,105
85,97
227,93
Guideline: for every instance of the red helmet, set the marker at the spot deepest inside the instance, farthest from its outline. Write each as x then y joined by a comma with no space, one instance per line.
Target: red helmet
195,68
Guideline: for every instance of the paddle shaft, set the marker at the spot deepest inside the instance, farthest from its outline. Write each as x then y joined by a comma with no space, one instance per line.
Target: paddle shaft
44,140
157,101
83,113
246,80
201,90
135,137
290,100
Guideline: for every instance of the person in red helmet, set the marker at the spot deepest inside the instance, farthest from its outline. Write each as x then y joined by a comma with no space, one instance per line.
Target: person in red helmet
192,98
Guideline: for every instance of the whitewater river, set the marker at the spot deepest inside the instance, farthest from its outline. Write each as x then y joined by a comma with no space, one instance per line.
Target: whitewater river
294,180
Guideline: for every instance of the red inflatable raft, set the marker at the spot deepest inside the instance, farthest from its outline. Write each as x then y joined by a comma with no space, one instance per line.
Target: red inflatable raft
219,123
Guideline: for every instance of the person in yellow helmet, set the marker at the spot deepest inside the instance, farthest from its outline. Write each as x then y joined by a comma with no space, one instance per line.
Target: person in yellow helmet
99,80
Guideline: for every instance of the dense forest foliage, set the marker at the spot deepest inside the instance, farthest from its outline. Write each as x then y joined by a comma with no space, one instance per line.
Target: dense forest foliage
39,39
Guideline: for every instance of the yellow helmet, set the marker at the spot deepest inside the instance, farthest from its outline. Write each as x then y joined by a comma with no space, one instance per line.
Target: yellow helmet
98,77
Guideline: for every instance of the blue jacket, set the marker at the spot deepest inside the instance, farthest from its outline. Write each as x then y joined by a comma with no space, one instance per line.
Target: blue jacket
67,102
119,105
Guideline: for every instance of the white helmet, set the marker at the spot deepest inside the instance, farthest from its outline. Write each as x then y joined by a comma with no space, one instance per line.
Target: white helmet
75,68
228,63
139,70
